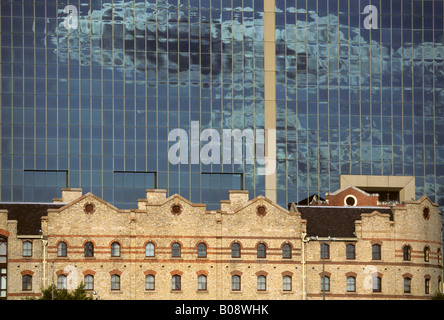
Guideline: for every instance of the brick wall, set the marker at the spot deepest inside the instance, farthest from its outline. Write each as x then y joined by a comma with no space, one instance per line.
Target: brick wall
242,221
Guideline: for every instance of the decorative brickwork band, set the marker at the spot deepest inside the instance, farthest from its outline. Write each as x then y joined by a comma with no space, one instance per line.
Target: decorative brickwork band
4,233
62,272
89,272
115,271
176,272
150,272
27,273
351,274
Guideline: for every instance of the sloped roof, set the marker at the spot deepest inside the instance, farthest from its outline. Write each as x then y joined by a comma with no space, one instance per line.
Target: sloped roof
308,200
324,221
28,215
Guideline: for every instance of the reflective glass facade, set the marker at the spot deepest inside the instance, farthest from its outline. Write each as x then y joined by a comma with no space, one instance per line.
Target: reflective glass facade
358,101
98,101
93,106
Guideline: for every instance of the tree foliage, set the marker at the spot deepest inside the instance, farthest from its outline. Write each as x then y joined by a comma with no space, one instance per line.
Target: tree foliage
438,296
63,294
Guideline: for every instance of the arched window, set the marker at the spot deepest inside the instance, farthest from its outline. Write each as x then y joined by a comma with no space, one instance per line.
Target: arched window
376,252
325,283
427,286
286,251
407,285
406,253
62,249
201,250
89,282
61,281
325,251
3,250
350,252
261,283
115,249
202,282
286,283
426,254
149,249
3,267
115,282
27,249
351,284
175,282
261,250
26,282
150,282
377,284
89,249
235,283
175,249
439,255
235,250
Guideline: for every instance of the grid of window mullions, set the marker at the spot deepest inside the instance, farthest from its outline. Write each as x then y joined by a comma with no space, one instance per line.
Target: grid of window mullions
378,164
395,159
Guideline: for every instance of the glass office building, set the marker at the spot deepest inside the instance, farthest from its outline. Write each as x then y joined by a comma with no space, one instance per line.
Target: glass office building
353,100
91,90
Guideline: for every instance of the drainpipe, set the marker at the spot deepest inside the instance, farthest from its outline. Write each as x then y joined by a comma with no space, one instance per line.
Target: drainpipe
304,292
44,243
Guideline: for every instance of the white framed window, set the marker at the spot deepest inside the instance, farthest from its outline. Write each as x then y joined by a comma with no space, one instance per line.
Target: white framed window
149,249
89,282
261,283
150,282
27,249
286,283
202,282
61,281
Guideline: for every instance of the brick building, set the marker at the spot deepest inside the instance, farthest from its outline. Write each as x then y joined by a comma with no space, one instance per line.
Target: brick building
170,248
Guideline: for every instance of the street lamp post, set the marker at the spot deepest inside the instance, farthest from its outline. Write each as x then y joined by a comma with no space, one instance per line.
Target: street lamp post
323,261
323,270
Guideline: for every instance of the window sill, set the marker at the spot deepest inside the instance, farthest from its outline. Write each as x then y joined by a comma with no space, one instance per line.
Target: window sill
202,291
262,291
236,291
288,292
176,291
